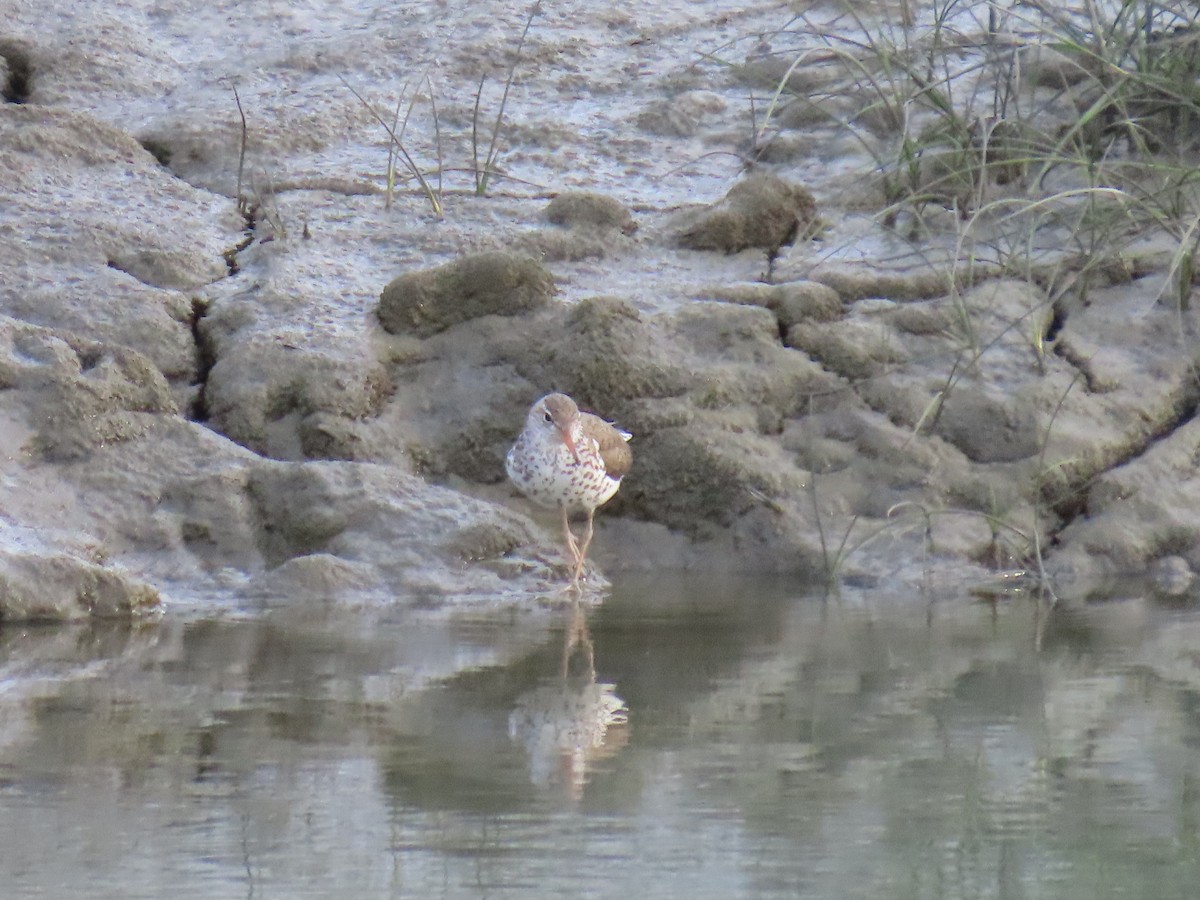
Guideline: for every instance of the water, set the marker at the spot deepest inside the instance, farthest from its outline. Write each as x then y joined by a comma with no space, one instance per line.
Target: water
702,740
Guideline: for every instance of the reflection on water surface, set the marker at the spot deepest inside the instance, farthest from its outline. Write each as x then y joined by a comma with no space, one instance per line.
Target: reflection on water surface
683,739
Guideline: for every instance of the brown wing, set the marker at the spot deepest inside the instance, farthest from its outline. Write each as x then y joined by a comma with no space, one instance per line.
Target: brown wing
614,446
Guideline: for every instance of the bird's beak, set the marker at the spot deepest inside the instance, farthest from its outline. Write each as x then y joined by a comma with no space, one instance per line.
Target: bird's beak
570,442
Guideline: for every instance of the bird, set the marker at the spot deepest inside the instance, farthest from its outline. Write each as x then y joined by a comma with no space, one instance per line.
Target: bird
571,459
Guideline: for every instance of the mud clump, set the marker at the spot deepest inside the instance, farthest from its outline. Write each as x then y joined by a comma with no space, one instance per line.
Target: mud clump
590,226
298,508
683,115
761,211
792,302
59,587
586,209
290,403
987,430
103,401
856,349
498,283
854,284
606,356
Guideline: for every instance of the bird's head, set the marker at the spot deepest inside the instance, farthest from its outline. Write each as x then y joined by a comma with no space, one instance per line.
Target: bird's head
558,413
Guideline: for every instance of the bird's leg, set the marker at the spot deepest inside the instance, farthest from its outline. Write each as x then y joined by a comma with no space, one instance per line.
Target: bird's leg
583,548
572,544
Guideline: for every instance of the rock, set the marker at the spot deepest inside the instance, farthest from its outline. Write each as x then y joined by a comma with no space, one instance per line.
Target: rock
210,513
695,479
928,319
475,450
760,211
594,226
773,71
857,350
779,150
206,513
792,302
120,242
573,245
812,113
121,477
59,588
319,577
585,209
88,393
859,283
325,435
497,283
118,310
682,115
988,430
602,353
1141,510
741,365
278,399
299,508
419,540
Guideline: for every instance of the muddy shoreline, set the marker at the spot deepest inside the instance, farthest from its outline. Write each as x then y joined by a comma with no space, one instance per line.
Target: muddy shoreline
305,392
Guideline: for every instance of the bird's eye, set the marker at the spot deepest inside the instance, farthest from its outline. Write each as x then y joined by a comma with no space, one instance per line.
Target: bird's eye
549,418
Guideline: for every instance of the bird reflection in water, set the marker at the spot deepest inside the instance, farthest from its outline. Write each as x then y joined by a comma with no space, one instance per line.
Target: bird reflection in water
573,721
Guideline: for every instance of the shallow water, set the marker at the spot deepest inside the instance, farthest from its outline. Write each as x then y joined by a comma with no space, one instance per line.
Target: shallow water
710,740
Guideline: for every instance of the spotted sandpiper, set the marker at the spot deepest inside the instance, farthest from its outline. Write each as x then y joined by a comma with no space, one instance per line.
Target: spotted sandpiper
570,459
